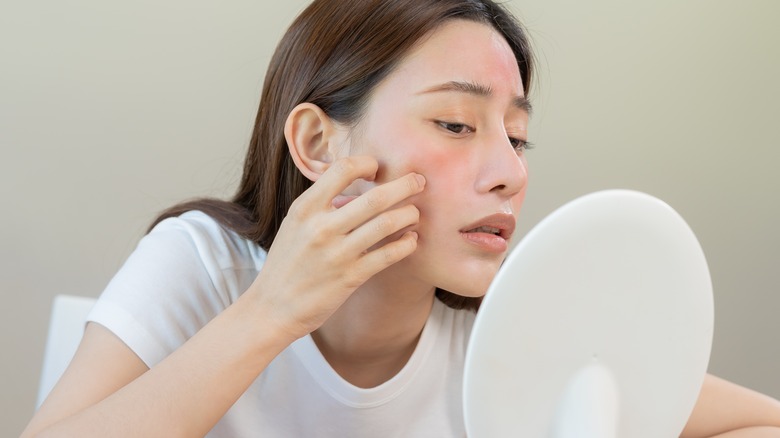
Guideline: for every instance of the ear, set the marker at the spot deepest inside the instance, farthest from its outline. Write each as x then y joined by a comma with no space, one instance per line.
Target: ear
311,138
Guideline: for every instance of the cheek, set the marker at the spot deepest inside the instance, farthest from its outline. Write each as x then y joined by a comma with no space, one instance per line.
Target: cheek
422,153
517,201
398,152
443,172
436,167
403,147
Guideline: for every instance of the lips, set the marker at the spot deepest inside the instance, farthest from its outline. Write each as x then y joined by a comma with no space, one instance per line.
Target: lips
500,224
489,230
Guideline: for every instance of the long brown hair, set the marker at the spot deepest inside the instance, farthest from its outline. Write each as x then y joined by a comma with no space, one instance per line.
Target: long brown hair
333,55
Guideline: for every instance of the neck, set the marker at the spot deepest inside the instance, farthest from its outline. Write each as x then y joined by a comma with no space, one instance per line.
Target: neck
374,333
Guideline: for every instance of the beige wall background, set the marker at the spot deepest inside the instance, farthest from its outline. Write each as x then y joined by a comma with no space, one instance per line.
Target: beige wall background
109,112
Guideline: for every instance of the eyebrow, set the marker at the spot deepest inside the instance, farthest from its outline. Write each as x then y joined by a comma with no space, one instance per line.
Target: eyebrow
520,102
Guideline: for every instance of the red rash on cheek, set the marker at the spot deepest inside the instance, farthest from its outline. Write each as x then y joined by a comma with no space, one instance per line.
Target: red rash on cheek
445,175
439,165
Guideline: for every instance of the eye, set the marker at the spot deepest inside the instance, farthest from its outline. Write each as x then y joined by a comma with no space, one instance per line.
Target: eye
456,128
520,145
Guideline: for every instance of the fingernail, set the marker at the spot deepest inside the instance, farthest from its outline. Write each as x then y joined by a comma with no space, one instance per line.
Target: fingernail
420,179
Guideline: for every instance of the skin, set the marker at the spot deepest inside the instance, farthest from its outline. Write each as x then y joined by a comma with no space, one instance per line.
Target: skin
412,125
385,222
404,129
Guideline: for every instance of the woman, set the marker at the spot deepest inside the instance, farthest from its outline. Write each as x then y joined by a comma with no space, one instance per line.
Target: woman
334,295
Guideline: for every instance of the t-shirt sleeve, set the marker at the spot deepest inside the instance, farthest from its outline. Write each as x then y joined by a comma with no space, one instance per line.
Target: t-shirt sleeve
181,275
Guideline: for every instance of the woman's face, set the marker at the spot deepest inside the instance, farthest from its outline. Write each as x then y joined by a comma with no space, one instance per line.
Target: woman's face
454,111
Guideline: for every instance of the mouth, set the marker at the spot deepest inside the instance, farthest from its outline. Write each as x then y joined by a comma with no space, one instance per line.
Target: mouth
500,225
487,230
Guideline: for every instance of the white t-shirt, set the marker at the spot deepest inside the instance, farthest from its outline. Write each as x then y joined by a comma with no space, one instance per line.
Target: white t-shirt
189,269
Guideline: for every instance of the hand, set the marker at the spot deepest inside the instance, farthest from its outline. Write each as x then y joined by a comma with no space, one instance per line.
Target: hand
327,246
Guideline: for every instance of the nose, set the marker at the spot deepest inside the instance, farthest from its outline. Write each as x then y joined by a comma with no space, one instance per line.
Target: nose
503,170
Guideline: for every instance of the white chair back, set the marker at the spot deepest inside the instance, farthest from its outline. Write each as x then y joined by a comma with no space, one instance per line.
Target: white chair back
66,327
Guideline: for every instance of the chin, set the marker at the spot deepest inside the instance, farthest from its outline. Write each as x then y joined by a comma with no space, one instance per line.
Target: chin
454,271
469,287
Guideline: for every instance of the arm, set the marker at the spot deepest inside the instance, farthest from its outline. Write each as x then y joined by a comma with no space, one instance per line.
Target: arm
727,410
752,432
108,391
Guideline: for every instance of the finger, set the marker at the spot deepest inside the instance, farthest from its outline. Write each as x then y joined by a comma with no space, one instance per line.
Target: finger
381,198
382,226
339,176
342,200
379,259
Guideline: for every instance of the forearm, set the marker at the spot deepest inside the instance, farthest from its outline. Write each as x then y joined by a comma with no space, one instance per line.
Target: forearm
725,408
752,432
189,391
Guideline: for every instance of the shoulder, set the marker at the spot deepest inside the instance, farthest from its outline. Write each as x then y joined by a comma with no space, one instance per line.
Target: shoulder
217,246
182,274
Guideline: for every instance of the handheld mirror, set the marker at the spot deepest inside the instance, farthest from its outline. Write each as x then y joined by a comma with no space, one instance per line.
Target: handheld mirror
598,324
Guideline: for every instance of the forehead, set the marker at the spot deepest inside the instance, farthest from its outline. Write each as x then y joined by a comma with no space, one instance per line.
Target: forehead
461,50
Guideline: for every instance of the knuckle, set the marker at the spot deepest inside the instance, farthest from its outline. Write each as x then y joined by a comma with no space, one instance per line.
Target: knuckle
397,251
297,210
345,166
331,258
384,224
408,215
318,238
353,282
322,233
375,200
390,254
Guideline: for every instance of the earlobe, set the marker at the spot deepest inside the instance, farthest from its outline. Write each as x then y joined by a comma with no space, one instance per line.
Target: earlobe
310,135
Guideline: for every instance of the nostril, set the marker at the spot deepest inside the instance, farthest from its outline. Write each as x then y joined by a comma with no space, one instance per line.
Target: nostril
499,187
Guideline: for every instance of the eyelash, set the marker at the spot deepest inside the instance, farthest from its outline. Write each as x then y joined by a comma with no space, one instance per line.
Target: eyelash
521,145
457,128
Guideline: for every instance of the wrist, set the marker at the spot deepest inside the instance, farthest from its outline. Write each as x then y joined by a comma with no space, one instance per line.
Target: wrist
264,323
